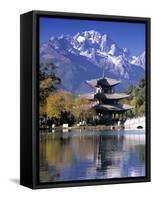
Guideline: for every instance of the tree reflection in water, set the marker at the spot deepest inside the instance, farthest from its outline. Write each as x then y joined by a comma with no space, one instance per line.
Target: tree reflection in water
79,155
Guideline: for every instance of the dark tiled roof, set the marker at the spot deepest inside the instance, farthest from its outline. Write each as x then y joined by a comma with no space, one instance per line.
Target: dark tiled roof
104,81
117,107
114,96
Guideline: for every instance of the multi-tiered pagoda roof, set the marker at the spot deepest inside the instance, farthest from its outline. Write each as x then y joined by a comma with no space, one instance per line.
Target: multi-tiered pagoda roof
108,100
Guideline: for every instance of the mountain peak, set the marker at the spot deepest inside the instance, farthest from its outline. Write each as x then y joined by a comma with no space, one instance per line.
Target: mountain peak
139,60
61,36
85,55
51,38
92,32
114,50
105,37
94,45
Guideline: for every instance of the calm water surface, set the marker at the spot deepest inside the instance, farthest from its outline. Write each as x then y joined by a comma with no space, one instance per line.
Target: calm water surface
80,155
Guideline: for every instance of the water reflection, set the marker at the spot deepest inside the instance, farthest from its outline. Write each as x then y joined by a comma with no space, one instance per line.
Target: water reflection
79,155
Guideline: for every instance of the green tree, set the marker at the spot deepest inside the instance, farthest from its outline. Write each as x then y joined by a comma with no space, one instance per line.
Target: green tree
137,99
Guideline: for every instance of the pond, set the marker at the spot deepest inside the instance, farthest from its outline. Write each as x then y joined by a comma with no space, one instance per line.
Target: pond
81,154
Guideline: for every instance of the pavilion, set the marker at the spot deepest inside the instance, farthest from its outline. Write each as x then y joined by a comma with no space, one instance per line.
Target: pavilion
105,101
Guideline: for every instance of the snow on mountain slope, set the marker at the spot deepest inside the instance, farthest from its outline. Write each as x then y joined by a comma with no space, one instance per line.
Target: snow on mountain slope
139,60
88,55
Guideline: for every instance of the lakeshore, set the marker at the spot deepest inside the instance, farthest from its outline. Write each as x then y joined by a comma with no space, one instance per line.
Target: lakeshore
133,124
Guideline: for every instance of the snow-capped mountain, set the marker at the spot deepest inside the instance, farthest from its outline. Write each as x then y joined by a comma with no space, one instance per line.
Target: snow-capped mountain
139,60
87,55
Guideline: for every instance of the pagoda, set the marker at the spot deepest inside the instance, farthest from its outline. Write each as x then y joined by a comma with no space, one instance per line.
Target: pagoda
105,101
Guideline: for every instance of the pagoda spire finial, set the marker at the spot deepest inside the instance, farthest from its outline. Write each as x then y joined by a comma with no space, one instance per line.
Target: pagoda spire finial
103,73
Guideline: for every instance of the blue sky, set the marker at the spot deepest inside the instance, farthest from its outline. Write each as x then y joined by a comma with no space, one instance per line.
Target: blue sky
129,35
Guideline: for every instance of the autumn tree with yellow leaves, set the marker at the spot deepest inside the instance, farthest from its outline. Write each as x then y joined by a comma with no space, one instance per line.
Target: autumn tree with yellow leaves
82,109
59,105
47,83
